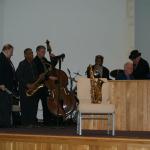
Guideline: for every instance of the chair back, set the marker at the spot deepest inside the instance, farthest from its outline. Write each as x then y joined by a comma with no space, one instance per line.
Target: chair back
84,90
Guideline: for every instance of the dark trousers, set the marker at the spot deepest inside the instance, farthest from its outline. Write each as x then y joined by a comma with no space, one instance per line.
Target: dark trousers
5,109
28,109
43,95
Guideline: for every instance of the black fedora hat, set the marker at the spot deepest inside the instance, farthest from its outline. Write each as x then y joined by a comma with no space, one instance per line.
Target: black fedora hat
134,54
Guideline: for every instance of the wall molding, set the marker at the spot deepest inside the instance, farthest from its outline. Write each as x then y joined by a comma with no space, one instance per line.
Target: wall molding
131,24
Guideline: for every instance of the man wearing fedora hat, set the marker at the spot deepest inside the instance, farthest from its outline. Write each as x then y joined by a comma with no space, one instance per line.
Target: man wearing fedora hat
141,68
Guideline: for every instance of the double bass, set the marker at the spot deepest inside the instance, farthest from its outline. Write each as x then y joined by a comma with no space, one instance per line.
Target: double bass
61,101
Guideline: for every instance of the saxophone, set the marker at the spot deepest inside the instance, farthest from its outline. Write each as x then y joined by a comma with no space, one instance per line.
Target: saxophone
36,86
39,83
96,87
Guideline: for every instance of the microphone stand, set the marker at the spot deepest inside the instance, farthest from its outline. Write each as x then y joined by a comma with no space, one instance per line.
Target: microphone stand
71,80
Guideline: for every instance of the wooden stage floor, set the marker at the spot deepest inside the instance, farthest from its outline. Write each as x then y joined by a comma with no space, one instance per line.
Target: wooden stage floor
65,138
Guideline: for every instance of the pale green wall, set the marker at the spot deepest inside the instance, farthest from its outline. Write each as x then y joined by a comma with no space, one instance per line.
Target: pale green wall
79,28
1,21
142,27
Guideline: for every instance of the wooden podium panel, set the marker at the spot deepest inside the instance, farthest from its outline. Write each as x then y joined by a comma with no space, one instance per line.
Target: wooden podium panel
132,103
48,142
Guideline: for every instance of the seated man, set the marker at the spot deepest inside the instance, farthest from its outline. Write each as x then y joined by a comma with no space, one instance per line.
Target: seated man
127,73
98,69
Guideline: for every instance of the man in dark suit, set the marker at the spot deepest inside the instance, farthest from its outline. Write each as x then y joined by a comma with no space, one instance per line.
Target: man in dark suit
98,69
141,68
43,65
7,81
27,75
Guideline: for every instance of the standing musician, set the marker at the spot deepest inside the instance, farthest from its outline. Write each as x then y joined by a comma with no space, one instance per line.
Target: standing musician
43,65
27,74
7,81
141,68
99,70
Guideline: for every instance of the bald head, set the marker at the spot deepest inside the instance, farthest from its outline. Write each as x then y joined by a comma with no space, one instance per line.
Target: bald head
8,50
128,68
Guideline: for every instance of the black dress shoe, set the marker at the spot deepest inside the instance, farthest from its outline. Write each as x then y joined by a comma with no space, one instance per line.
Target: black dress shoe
5,126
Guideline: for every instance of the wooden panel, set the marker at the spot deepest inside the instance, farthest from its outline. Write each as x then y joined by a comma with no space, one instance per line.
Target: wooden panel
6,145
138,147
45,142
132,103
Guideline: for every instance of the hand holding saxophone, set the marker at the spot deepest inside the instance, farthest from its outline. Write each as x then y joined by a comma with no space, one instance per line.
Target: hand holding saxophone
2,87
30,87
41,77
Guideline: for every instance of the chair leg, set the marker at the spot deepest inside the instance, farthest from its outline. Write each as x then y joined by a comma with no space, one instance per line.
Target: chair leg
108,123
113,124
102,120
79,130
80,124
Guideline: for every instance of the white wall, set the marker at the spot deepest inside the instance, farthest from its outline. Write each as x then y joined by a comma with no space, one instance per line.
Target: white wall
1,20
142,27
79,28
